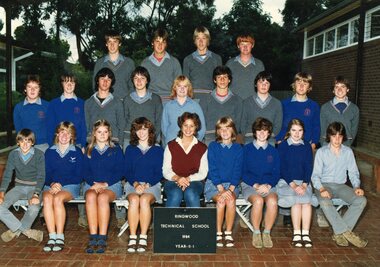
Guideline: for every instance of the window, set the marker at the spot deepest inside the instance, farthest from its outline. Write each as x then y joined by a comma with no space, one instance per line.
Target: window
375,24
354,31
310,47
319,44
342,36
330,40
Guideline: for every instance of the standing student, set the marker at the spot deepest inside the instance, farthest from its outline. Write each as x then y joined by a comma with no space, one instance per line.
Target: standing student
221,102
103,172
102,105
120,65
340,109
301,107
294,188
67,107
163,67
261,172
63,177
333,163
143,164
261,104
141,103
182,94
225,160
28,164
32,112
185,164
199,65
244,67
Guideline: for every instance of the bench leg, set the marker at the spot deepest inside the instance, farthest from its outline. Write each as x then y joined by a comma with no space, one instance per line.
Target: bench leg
242,213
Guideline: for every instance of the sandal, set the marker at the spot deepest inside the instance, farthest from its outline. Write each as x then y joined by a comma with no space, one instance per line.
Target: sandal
59,245
143,243
297,242
229,240
132,244
102,245
307,243
219,239
92,246
49,245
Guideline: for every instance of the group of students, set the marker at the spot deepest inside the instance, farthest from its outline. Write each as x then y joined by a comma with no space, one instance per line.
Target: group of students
87,139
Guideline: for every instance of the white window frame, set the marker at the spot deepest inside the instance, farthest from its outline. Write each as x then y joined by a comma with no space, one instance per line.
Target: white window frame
367,31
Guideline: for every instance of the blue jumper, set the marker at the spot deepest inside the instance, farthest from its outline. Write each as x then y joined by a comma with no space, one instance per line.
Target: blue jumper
140,167
64,169
261,166
296,162
105,167
308,112
67,109
224,163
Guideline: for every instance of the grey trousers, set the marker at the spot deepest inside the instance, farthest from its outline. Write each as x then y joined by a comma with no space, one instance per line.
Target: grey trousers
347,222
7,217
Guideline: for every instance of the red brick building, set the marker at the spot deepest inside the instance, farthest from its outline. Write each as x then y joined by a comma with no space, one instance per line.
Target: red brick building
345,40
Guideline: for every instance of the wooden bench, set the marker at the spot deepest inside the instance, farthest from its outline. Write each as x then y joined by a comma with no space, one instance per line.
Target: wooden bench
120,203
373,159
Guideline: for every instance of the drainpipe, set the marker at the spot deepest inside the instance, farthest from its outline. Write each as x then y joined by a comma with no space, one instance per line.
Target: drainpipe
8,67
359,54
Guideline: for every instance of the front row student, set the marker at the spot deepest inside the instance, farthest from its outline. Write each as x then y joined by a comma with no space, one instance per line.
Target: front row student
225,160
64,174
185,164
29,166
103,172
261,172
294,188
143,171
333,163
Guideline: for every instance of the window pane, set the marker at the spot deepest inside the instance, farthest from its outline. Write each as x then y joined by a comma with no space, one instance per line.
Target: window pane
375,24
342,35
354,36
310,47
330,40
319,44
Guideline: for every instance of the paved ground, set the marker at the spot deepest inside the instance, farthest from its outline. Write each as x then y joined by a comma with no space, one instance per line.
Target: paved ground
26,252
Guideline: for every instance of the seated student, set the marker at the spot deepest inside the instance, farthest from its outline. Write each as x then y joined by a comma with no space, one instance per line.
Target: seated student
103,172
225,160
331,165
63,177
29,166
294,188
185,164
261,172
143,164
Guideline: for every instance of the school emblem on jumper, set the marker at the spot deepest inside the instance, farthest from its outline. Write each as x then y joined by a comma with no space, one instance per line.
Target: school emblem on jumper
307,112
41,114
269,158
72,159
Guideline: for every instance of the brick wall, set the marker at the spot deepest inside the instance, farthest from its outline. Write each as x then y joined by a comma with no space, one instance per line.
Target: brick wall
343,62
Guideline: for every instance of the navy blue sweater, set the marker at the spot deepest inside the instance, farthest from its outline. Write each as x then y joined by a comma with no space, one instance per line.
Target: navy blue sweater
141,167
225,164
106,167
64,170
261,166
296,162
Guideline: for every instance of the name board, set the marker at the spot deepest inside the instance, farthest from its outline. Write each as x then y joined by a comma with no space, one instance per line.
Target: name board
184,230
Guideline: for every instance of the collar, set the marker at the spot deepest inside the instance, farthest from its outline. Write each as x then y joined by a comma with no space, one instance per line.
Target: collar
109,98
31,151
222,99
336,101
156,62
63,98
138,99
257,146
143,149
63,153
38,101
291,142
228,146
201,58
260,101
119,59
193,142
101,151
294,99
251,61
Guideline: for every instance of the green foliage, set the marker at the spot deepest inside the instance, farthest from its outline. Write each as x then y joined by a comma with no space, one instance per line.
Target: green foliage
16,97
